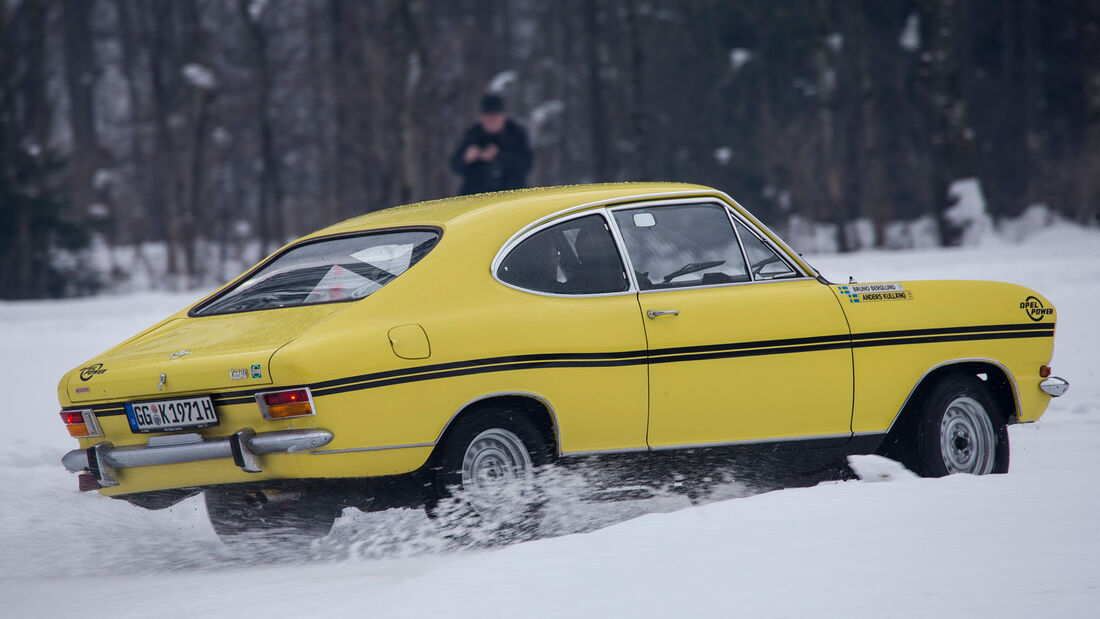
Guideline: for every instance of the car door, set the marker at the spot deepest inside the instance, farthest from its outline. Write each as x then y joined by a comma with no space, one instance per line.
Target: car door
575,319
743,347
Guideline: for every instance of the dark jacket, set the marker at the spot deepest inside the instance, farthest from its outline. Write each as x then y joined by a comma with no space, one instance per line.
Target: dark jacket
509,169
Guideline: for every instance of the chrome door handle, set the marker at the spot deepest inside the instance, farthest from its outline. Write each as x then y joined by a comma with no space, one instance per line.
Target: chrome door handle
659,313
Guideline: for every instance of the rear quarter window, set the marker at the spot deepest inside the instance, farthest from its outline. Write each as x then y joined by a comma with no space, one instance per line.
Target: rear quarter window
326,271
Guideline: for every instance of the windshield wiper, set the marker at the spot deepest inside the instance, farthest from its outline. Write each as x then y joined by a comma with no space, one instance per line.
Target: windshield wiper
693,267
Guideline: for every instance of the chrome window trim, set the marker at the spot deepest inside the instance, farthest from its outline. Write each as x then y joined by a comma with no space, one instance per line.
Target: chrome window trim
1008,374
770,235
516,241
730,213
730,284
741,244
684,196
609,202
516,238
734,219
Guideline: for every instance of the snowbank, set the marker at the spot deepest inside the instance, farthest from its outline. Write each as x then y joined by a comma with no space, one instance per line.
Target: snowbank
1017,545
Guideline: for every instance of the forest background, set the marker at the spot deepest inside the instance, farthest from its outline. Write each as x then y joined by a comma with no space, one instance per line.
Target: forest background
169,144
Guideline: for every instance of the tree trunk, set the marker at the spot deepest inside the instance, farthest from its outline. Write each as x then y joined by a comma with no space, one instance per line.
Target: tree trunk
597,121
952,150
80,78
1088,211
272,229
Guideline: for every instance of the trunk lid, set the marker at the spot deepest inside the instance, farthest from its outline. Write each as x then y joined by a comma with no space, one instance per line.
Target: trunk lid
196,355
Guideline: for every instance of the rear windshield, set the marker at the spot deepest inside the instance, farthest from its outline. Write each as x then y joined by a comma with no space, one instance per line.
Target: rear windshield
326,271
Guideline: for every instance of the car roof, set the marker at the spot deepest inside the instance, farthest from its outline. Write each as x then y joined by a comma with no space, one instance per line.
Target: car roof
508,209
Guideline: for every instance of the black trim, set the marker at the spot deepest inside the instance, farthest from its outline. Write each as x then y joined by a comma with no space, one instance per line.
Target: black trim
636,357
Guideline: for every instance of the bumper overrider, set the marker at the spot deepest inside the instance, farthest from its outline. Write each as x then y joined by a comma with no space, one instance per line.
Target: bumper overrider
243,446
1054,386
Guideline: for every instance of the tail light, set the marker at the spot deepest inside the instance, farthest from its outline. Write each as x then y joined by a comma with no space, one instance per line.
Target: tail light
284,404
80,424
1044,371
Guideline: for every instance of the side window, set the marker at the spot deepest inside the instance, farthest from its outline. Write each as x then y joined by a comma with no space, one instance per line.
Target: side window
764,262
682,245
574,257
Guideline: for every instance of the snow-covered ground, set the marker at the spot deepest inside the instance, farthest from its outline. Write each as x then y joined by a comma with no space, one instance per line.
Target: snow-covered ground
1024,544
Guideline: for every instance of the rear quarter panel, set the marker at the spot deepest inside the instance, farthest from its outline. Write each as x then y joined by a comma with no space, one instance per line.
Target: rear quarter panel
886,374
467,315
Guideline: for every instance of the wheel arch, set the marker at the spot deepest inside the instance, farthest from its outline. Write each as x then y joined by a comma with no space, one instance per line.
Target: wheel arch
534,407
999,379
1001,383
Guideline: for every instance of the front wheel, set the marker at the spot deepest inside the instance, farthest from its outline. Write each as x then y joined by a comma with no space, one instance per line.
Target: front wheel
962,430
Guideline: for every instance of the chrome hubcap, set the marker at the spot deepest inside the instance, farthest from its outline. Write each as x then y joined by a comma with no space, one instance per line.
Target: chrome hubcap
966,437
496,473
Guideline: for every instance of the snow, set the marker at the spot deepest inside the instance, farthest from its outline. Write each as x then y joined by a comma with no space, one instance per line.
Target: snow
968,211
723,155
546,110
739,56
501,81
256,9
199,76
909,39
1016,545
877,469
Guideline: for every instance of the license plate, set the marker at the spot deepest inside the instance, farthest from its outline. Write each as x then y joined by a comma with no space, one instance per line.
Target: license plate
171,415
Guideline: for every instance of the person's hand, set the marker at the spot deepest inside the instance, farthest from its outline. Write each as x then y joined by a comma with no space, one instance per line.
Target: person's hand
490,152
472,154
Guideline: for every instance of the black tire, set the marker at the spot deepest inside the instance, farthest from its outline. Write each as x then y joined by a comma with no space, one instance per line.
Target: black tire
292,517
961,430
492,441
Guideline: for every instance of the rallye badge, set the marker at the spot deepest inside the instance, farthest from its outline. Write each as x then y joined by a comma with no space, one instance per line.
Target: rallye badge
1034,308
179,353
256,372
90,371
238,374
857,293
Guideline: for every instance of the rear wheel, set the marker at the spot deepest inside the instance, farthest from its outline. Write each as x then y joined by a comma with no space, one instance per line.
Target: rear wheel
962,430
486,471
293,516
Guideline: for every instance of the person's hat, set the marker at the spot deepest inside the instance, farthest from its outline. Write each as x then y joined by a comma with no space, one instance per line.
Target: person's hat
492,104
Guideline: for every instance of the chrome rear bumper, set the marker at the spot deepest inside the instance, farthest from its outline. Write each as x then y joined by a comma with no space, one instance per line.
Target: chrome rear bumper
242,446
1054,386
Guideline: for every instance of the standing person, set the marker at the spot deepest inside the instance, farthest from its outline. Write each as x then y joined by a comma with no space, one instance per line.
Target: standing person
494,154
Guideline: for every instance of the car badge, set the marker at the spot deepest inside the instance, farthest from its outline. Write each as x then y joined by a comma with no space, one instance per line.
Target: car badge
180,353
163,379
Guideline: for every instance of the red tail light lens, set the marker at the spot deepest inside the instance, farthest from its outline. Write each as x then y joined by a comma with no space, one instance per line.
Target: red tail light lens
1044,371
283,404
72,418
80,424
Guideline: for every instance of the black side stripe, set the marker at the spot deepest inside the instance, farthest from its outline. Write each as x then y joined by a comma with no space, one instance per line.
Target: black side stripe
952,338
641,357
1036,326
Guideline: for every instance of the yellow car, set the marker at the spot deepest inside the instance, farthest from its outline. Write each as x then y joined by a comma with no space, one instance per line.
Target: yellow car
450,348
